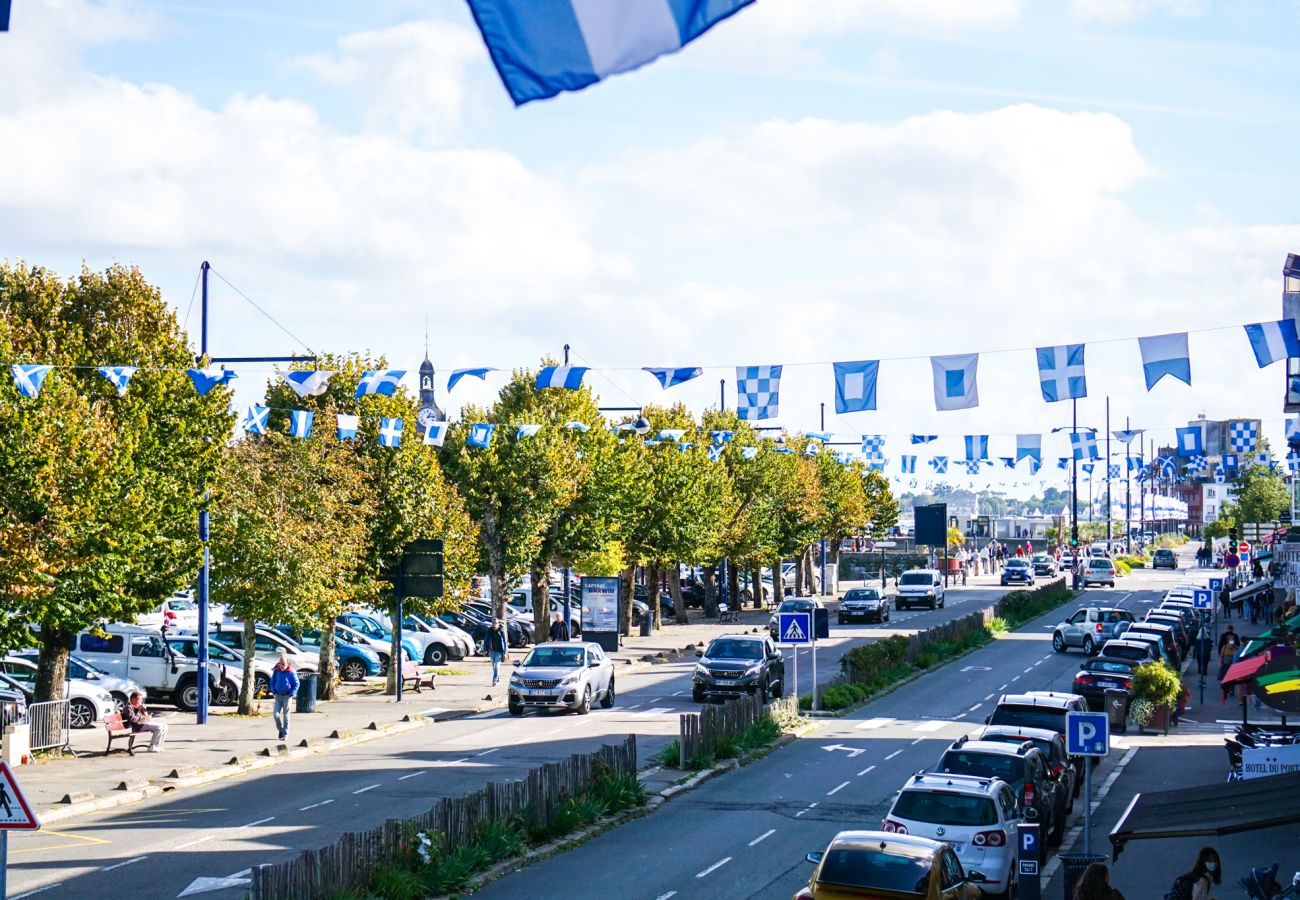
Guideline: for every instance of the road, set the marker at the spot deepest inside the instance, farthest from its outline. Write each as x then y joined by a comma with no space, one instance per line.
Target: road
158,847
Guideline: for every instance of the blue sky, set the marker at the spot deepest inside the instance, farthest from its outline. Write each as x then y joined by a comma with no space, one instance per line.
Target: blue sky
844,179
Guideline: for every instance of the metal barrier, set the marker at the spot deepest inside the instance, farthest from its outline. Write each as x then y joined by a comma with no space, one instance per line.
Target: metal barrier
51,724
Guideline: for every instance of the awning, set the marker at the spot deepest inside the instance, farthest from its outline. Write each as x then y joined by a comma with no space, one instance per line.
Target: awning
1209,810
1241,671
1266,639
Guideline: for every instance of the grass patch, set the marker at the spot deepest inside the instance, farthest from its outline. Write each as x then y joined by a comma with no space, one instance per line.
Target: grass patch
762,733
444,670
670,754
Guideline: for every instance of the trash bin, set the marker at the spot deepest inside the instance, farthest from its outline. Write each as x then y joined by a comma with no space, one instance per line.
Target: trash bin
1072,866
647,624
307,692
1117,710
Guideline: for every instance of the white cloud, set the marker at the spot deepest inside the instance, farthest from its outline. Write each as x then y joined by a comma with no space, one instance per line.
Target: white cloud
798,18
1118,12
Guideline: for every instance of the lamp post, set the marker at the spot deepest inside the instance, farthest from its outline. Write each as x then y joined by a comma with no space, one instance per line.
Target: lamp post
1074,484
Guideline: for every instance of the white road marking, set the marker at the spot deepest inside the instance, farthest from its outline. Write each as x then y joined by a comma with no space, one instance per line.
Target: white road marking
364,789
989,697
633,706
1017,678
1002,687
975,707
654,700
658,710
412,775
314,805
195,842
552,731
48,887
864,771
1027,671
892,755
917,741
117,866
713,868
837,789
666,896
430,713
877,723
762,837
259,822
932,725
800,813
676,694
486,752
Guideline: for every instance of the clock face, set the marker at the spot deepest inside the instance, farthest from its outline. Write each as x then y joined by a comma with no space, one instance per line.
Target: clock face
425,417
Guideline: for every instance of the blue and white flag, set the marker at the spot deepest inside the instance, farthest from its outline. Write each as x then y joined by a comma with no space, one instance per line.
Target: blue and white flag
435,434
300,421
1034,466
758,392
390,432
480,435
673,377
206,379
1060,372
1293,462
1272,341
977,446
527,431
567,377
671,434
822,436
347,426
1087,468
955,384
1144,473
924,438
255,419
1292,427
543,47
118,376
1167,466
581,427
972,466
1230,462
29,378
1219,476
457,374
1084,444
1134,463
1243,436
722,437
1197,464
1063,462
307,384
907,465
845,458
1165,354
939,464
855,386
748,452
4,15
1008,461
811,449
873,446
1126,437
383,382
715,452
1114,472
1190,440
1030,445
1264,459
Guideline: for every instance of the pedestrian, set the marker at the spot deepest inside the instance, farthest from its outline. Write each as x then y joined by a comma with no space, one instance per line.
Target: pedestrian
1094,884
1204,641
284,687
1225,598
1200,881
1229,636
1257,570
498,647
559,631
136,718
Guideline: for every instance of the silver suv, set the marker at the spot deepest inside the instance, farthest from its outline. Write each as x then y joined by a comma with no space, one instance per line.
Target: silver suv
567,675
919,587
1091,627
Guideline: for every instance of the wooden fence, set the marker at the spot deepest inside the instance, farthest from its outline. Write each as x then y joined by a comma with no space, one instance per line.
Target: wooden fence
452,822
700,732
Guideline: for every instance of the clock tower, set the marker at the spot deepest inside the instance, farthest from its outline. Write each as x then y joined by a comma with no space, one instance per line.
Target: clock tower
429,411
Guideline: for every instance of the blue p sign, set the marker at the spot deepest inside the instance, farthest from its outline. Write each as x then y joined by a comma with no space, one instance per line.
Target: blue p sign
1216,584
1087,733
1202,599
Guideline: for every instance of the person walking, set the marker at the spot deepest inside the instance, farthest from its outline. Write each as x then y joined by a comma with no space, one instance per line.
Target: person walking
498,647
1094,884
137,718
1204,641
1198,884
559,631
284,687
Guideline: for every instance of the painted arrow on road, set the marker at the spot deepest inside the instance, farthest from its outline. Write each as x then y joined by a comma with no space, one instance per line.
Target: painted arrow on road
853,751
205,885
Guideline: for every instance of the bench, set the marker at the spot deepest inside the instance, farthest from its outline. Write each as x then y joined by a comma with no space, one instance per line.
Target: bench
411,672
726,616
116,729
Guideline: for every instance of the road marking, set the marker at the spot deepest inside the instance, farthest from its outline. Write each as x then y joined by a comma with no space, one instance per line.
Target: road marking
917,741
666,896
975,707
864,771
800,813
48,887
364,789
892,755
118,865
932,725
486,752
193,843
656,711
989,697
836,790
314,805
877,723
633,706
676,694
1017,678
456,762
1002,687
552,731
259,822
762,837
654,700
412,775
713,868
1026,672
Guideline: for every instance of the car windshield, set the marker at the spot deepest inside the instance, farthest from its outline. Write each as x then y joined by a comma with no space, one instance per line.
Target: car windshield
860,594
1099,563
945,808
796,606
875,869
1106,665
1133,653
1016,563
1010,769
1030,717
915,578
1110,616
564,657
1041,558
1164,553
1045,746
181,605
725,648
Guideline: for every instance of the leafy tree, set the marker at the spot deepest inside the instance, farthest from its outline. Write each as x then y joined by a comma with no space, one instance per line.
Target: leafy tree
99,501
1261,494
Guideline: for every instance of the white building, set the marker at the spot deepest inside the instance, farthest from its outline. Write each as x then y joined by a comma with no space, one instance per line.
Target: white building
1213,496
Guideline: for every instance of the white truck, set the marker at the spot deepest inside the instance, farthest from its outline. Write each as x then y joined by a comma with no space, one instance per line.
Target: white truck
142,655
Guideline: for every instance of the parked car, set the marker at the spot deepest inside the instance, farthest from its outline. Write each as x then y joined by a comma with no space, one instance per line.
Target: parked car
1100,674
233,660
1052,744
738,664
439,642
979,818
89,702
356,661
568,675
1182,636
1024,767
140,654
268,644
1040,709
881,864
792,604
866,604
1044,565
120,689
1164,558
381,646
922,587
377,633
13,706
1162,633
1090,627
1098,570
1017,571
1134,651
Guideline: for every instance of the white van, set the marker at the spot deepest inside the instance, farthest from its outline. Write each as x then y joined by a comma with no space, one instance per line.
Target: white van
919,587
141,654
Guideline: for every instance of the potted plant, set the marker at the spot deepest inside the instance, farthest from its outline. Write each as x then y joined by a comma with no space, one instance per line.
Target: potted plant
1155,692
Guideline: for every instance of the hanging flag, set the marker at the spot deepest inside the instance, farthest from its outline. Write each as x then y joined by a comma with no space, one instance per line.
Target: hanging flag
955,382
255,419
811,449
671,434
307,384
1063,462
29,378
1114,471
1034,466
823,436
977,446
567,377
480,435
582,427
855,386
1030,445
390,432
527,431
1190,440
1230,462
1292,427
873,446
939,463
4,15
1060,372
1197,463
118,376
924,438
1272,341
1219,476
542,48
907,465
300,422
1264,460
758,392
1134,463
347,426
206,379
1008,461
383,382
1165,354
457,374
748,452
715,452
722,437
845,458
972,466
1293,462
673,377
435,434
1087,468
1243,436
1084,443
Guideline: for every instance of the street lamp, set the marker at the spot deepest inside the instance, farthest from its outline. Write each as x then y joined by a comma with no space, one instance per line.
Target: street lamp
1074,484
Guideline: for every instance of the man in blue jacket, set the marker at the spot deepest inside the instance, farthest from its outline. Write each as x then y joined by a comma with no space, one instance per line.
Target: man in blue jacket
284,686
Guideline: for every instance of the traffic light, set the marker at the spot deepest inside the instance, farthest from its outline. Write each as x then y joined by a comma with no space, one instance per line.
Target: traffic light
1232,534
1074,542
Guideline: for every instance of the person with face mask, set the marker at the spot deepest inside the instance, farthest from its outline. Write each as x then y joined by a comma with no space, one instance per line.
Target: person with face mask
1198,884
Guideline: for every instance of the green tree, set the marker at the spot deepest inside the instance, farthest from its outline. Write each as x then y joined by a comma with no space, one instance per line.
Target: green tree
1261,494
100,493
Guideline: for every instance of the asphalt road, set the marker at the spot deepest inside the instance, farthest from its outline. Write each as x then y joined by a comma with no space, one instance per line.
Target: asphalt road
159,847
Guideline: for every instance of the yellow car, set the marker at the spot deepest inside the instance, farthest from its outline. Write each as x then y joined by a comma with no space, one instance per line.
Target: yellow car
887,866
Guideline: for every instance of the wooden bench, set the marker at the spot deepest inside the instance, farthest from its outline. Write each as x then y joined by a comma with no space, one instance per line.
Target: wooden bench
411,672
116,729
726,616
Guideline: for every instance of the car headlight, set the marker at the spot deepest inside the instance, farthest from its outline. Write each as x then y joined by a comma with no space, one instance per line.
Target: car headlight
515,677
571,679
700,670
753,670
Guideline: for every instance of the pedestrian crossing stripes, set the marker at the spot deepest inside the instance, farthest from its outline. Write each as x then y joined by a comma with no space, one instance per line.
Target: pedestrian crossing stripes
933,725
879,722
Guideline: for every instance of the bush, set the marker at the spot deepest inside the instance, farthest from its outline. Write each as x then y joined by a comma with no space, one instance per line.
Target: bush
670,755
1122,568
1157,684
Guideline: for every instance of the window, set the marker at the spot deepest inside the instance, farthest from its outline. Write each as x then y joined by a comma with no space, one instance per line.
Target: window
1008,803
562,657
147,646
93,643
727,648
1079,617
988,765
881,870
945,808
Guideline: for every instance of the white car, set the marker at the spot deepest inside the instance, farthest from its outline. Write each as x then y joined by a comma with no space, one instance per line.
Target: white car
140,654
440,641
178,612
120,688
90,702
923,587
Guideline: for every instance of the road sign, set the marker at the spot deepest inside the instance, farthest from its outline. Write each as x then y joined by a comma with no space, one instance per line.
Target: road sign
1030,889
15,813
794,627
1231,560
1087,733
1245,557
1216,584
1243,547
1203,598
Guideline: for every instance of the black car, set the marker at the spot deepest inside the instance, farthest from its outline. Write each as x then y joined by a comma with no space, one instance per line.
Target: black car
1024,767
794,604
1040,709
1164,557
864,604
1100,674
737,664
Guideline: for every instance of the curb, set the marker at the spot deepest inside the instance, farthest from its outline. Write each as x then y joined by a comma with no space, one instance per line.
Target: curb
1076,832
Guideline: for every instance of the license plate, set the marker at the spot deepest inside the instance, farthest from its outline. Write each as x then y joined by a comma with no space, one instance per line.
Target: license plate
726,681
956,846
538,695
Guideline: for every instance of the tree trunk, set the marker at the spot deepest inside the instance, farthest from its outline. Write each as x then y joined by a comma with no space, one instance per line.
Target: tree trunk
52,665
756,585
626,590
733,586
808,578
778,582
654,576
395,659
832,569
675,590
328,665
250,649
798,576
710,592
541,591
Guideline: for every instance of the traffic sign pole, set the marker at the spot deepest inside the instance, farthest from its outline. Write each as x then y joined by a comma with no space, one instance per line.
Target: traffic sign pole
1087,807
1087,734
814,660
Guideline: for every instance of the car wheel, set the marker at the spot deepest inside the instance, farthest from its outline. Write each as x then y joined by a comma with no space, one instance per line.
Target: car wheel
746,597
778,689
435,655
942,601
516,709
261,685
186,697
841,620
1089,646
934,604
697,695
383,664
353,670
608,700
1058,643
585,706
119,702
81,714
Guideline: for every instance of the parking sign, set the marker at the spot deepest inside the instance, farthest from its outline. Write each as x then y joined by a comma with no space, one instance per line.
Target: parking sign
794,627
1216,584
1087,733
1202,598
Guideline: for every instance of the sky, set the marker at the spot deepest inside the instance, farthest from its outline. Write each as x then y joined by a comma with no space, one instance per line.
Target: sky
808,182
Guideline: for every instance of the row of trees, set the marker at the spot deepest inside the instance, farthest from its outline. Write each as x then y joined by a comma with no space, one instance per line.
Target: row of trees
100,492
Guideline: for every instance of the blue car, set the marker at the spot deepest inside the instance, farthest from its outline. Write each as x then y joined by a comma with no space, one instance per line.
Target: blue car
355,662
1017,571
377,632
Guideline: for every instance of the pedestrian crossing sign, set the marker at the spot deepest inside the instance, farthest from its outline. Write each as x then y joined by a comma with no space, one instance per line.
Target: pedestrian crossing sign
794,627
15,813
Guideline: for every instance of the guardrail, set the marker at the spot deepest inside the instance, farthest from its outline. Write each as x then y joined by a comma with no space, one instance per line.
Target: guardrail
51,724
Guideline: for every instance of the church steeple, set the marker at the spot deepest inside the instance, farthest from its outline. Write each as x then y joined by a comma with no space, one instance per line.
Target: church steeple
429,411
